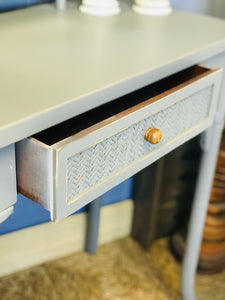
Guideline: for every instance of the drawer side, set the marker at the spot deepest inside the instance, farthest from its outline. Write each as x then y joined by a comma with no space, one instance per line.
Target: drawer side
34,171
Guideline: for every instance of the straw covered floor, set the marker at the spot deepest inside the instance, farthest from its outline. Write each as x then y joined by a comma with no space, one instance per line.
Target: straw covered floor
120,270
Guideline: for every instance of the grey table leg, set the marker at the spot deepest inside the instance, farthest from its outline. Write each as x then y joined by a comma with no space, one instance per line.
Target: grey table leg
199,208
93,225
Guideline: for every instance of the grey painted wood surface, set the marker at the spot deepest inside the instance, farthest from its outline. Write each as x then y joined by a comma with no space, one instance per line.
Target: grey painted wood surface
56,65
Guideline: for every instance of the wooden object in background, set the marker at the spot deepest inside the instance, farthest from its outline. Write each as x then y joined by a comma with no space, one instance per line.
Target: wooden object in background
162,194
146,196
214,233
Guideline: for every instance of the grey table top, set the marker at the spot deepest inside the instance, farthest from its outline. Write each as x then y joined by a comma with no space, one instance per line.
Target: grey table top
55,65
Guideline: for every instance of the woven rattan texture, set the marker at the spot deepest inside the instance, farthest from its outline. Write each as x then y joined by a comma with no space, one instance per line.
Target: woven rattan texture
105,159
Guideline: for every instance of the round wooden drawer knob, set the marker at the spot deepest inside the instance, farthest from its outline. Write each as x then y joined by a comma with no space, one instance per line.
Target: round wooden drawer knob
153,135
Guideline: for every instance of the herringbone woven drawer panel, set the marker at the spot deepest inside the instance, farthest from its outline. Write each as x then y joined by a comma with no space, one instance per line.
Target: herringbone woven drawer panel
105,159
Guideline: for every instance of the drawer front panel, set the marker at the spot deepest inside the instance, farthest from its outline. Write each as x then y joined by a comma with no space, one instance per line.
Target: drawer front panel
104,160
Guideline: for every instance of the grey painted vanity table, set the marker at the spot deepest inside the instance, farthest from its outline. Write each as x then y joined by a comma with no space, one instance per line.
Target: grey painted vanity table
122,75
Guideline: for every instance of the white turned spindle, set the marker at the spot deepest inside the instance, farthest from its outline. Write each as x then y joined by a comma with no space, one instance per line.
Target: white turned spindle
152,7
61,4
100,7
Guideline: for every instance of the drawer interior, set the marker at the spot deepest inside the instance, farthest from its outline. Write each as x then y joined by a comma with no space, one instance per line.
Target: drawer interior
132,100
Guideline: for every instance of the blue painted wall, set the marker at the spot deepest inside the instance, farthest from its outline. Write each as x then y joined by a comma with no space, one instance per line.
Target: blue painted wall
28,213
6,5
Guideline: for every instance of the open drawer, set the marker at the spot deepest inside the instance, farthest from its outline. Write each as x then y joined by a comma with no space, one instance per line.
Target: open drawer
65,167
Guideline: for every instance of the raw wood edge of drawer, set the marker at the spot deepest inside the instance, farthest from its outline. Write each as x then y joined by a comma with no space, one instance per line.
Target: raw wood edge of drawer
34,179
138,107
